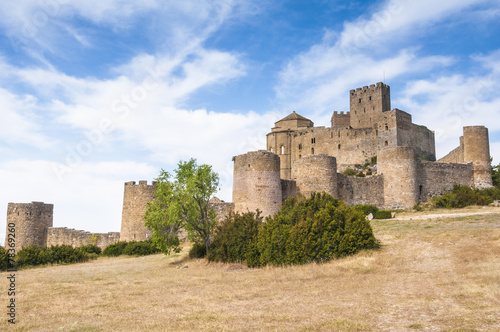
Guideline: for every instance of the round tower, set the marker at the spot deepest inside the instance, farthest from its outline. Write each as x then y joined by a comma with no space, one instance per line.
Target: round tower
135,200
316,173
28,223
399,168
477,151
257,183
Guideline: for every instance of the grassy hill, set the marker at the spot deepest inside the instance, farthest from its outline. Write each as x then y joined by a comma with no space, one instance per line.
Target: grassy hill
440,274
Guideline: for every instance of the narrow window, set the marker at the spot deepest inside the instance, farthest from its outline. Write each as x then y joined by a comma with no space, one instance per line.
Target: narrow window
313,140
300,156
300,146
282,149
360,100
386,127
370,98
312,150
386,143
339,146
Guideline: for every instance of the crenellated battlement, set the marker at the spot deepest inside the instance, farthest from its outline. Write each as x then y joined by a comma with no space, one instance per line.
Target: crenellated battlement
141,183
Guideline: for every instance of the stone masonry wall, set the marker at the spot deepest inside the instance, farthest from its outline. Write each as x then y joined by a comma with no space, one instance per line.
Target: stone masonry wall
436,179
30,221
288,189
315,173
367,190
78,238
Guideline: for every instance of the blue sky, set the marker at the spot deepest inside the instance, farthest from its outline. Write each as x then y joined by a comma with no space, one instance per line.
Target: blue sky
95,93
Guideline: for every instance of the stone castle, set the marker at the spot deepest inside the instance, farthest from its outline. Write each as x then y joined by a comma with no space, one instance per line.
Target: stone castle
301,159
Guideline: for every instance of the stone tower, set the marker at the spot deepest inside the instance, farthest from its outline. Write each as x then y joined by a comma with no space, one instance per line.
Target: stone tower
316,173
368,103
30,222
256,183
400,170
135,199
280,139
477,151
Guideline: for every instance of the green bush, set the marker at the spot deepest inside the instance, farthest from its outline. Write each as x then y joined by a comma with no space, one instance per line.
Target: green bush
31,256
316,229
495,175
91,249
462,196
4,259
350,172
114,249
63,254
234,237
198,251
366,209
383,214
141,248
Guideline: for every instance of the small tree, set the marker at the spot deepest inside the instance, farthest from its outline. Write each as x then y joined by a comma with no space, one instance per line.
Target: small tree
495,175
182,201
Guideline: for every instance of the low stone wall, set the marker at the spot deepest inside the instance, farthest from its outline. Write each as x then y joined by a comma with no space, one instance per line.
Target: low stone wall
357,190
289,189
222,209
437,178
78,238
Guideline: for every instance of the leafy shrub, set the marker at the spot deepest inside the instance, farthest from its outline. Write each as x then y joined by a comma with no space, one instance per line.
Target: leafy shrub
383,214
91,249
31,256
234,237
462,196
418,208
115,249
198,251
366,209
373,160
495,175
350,172
360,175
4,259
63,254
141,248
316,229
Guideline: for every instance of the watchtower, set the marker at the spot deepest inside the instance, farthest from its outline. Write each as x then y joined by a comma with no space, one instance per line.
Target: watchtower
135,200
368,103
256,183
316,173
29,222
477,151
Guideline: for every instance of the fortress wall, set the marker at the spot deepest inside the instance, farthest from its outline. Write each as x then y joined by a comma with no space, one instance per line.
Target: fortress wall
288,189
135,199
275,142
315,173
368,190
436,179
356,145
222,209
30,221
477,151
456,155
257,183
77,238
420,138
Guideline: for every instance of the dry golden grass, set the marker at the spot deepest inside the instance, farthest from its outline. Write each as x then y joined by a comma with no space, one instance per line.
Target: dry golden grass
436,274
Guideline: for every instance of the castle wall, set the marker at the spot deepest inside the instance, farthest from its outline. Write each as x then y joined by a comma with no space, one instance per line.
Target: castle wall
221,208
257,183
477,151
30,221
288,189
456,155
135,199
77,238
436,179
357,190
315,173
